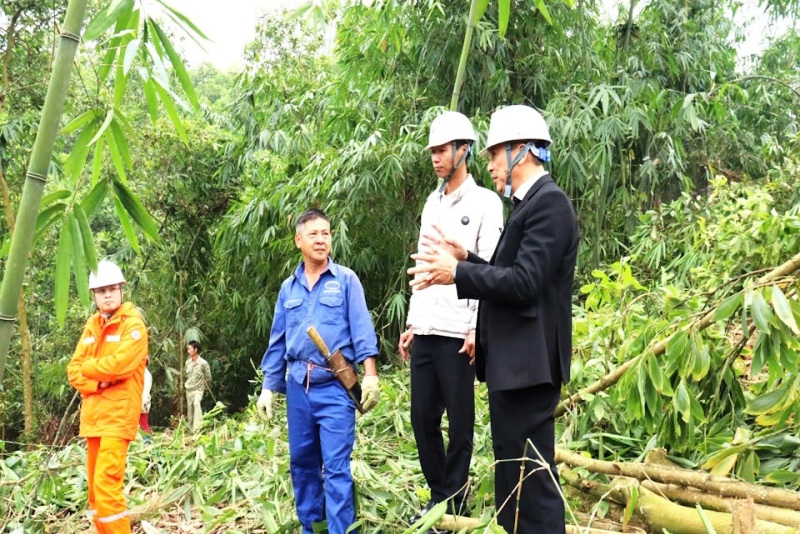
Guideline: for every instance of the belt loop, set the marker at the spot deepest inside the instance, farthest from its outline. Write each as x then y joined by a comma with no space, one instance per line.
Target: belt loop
308,376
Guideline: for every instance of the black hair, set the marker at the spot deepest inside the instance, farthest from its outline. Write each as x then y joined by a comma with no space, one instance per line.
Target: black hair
461,142
310,215
194,344
538,143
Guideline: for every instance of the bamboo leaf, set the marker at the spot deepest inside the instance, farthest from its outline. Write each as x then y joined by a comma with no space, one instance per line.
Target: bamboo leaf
79,261
152,100
48,216
784,311
108,59
106,17
94,198
782,476
104,126
63,261
130,54
682,404
183,19
706,523
768,402
136,210
127,227
120,83
701,357
61,194
504,14
86,236
173,114
116,157
160,70
121,142
80,121
762,315
728,308
77,157
480,10
540,5
177,64
97,160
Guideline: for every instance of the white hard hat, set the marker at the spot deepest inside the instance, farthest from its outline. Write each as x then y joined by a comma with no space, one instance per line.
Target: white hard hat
450,126
108,274
516,123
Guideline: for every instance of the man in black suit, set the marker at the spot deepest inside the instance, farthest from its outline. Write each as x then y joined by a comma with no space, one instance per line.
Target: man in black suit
524,335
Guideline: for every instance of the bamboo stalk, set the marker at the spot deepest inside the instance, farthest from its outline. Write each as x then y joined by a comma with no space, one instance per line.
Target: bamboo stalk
462,62
457,523
660,348
721,486
27,381
661,514
692,497
36,177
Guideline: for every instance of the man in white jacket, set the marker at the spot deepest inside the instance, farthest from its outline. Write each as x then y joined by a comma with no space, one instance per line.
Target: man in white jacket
442,327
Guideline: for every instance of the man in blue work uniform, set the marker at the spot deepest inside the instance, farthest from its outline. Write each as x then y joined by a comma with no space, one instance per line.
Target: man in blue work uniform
320,413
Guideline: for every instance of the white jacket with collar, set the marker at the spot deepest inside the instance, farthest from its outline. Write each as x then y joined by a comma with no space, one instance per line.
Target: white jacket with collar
473,215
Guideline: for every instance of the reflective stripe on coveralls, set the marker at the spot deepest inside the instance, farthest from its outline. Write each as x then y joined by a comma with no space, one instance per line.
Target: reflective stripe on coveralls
321,433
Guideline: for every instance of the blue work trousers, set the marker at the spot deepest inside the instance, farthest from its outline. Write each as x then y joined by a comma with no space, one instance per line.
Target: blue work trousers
321,435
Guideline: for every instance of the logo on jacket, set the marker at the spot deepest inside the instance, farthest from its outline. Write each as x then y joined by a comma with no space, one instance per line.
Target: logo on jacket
332,286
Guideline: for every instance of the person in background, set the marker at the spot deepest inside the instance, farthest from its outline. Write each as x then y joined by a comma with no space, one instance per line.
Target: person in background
441,326
144,417
107,369
320,413
198,379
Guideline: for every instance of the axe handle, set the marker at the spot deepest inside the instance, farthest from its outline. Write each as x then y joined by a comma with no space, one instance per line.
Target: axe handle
318,341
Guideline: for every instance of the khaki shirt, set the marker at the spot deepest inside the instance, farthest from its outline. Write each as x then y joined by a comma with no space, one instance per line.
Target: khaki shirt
198,374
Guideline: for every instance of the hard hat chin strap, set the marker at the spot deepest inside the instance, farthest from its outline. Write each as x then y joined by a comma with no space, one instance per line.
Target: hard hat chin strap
461,160
540,153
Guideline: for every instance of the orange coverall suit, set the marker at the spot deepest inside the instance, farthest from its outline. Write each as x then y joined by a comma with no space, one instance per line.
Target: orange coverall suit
112,351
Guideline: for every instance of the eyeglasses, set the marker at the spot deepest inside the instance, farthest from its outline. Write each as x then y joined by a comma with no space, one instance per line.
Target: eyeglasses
104,290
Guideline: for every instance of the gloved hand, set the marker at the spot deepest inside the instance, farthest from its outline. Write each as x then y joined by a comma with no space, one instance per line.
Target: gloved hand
370,392
264,404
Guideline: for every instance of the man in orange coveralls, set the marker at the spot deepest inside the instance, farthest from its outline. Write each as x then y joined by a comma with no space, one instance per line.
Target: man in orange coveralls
108,371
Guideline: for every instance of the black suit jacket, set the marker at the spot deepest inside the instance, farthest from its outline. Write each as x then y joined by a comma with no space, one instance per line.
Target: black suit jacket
524,334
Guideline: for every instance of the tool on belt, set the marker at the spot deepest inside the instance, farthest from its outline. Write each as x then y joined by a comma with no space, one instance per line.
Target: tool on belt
341,368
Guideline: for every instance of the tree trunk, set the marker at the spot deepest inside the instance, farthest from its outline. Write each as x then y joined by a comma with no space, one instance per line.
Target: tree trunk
721,486
660,348
462,63
36,176
27,382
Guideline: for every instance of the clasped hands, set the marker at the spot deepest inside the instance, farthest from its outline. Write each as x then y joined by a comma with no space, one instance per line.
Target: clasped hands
436,260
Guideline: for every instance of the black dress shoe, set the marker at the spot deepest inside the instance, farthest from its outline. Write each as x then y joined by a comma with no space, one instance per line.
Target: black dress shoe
418,515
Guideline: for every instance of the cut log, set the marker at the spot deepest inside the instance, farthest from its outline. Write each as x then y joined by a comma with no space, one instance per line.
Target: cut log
717,485
663,515
457,523
692,497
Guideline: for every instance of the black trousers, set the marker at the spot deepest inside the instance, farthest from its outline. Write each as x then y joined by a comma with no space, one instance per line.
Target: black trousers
442,379
517,416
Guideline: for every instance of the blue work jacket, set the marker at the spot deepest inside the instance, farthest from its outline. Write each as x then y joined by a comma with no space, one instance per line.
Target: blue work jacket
336,307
